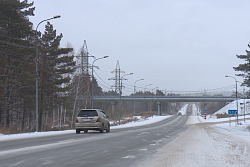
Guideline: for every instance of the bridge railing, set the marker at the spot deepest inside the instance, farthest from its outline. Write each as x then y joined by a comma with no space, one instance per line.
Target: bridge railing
165,98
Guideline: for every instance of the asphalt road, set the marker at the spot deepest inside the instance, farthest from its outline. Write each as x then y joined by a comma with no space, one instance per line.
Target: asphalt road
121,147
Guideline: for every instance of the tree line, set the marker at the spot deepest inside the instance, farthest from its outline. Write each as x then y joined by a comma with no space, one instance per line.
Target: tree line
56,67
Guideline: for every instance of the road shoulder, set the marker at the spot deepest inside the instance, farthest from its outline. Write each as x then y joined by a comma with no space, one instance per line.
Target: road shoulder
201,145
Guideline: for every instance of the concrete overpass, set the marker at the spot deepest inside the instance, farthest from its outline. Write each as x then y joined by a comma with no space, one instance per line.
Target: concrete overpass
160,99
164,98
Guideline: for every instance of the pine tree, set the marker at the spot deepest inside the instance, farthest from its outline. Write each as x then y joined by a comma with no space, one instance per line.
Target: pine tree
55,66
16,53
97,90
244,68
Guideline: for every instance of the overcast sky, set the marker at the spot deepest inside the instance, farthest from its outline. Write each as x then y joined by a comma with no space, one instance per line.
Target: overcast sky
176,45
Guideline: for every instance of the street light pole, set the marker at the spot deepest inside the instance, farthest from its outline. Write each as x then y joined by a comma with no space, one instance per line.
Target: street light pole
37,75
146,86
244,100
144,94
134,93
93,77
152,97
120,90
244,104
236,94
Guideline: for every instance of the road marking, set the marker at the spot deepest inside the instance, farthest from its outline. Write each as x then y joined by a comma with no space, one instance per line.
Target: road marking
143,149
18,163
2,153
143,133
129,156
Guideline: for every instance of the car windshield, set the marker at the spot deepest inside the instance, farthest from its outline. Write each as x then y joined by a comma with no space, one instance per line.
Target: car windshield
87,113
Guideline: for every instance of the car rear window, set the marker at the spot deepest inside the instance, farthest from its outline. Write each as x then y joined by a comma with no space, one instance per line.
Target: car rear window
87,113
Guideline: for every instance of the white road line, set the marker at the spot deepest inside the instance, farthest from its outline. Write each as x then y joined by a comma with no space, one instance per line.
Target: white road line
129,156
2,153
143,133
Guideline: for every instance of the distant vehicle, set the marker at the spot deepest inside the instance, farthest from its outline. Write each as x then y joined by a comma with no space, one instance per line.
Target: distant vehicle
179,113
92,119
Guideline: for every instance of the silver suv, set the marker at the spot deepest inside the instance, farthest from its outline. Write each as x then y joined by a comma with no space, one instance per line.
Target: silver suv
92,119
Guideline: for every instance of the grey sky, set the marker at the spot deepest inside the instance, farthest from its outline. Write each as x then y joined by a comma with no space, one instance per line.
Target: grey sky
178,45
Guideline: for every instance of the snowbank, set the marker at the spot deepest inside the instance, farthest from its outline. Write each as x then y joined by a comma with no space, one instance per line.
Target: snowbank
141,121
233,106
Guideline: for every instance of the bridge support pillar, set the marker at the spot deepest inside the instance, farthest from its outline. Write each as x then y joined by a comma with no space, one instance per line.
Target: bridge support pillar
159,107
113,107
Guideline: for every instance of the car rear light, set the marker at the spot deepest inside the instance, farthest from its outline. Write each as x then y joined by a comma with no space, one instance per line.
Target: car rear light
76,120
98,119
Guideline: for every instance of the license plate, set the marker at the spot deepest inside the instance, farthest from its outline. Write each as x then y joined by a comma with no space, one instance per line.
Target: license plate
86,120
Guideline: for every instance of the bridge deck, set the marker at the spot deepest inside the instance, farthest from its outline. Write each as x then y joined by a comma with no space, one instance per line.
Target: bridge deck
165,98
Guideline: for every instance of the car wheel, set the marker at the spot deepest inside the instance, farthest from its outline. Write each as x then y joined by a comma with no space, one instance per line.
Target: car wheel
108,129
85,131
101,130
77,131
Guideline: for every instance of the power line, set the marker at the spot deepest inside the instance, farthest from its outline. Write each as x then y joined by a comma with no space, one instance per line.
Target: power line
102,79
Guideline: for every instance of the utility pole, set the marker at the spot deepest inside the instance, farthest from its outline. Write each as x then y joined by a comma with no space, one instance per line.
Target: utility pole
84,76
117,77
120,94
118,84
84,59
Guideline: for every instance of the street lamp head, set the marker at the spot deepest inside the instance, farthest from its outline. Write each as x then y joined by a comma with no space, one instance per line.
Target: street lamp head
56,16
105,56
131,73
226,76
142,79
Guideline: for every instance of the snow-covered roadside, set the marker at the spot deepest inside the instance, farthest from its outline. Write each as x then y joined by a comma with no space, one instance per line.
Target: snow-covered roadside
223,143
243,106
214,119
202,145
140,122
226,125
206,144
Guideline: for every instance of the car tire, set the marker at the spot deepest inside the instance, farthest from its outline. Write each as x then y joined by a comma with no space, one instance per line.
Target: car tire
78,131
85,131
101,130
108,128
